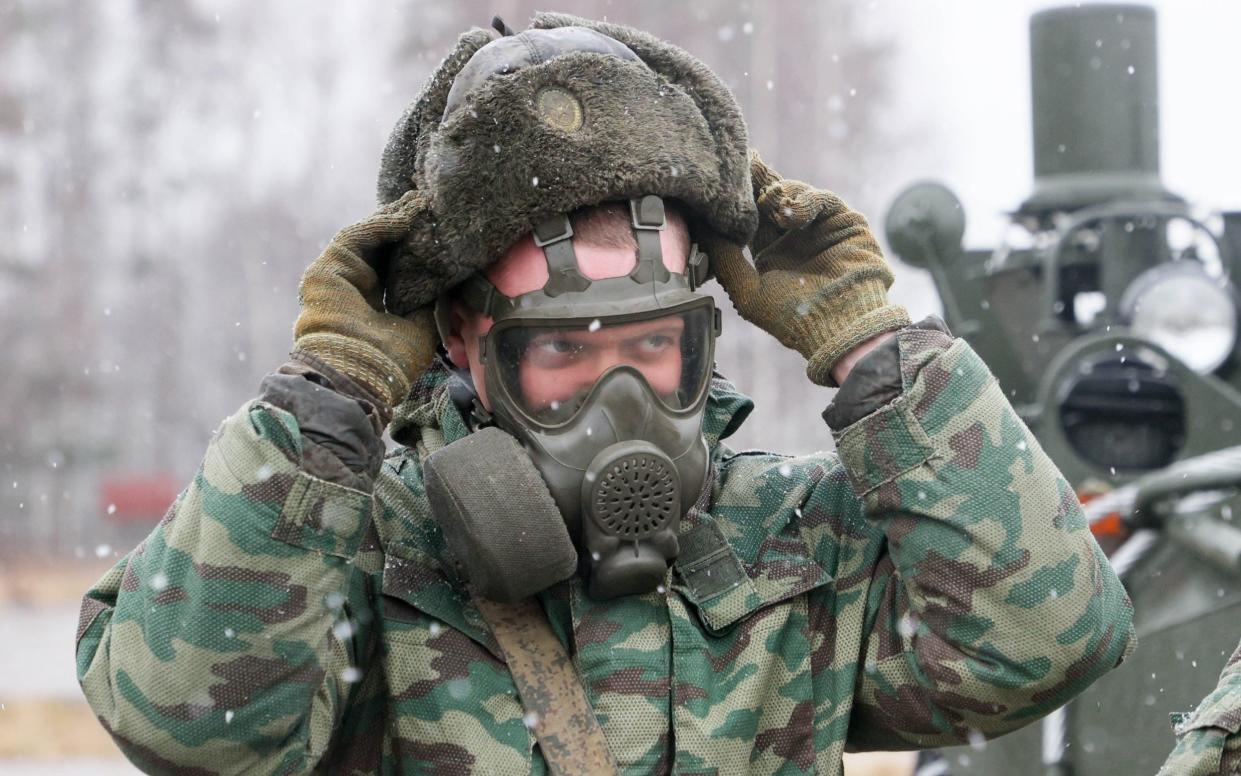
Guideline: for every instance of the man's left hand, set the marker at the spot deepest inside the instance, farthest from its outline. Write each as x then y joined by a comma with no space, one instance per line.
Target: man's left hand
819,281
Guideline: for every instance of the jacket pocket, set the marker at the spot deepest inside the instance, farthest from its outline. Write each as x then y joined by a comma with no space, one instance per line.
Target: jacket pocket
1217,710
724,590
1203,737
415,584
322,516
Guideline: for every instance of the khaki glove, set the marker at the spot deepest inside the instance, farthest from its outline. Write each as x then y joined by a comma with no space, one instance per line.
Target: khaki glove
819,281
343,322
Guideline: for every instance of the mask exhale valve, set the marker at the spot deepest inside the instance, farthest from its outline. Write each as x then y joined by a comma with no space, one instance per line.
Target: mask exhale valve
631,497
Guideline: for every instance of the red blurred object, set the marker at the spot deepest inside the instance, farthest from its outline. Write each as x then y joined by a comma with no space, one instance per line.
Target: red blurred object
1110,531
1110,525
137,497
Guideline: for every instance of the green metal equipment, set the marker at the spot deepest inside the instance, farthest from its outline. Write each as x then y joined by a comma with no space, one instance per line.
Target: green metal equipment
1110,317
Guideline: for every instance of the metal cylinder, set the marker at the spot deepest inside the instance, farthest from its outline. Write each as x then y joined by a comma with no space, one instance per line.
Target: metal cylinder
1212,540
1095,107
1232,242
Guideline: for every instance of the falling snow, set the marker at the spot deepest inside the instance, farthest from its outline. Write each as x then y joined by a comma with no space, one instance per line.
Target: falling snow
200,325
343,630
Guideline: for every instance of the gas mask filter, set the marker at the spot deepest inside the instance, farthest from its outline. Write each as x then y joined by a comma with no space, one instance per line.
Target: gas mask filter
593,449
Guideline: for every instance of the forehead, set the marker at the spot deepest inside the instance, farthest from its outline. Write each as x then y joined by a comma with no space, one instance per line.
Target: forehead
523,267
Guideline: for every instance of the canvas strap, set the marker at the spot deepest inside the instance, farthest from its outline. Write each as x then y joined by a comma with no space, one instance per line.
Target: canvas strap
557,709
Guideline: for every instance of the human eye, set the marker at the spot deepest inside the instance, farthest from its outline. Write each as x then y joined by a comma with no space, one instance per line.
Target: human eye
652,345
552,350
557,346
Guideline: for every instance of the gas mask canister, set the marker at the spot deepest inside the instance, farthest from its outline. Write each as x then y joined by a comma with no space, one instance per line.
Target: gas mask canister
593,449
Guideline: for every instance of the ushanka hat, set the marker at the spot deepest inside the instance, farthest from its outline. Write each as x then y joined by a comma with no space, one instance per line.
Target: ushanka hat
512,129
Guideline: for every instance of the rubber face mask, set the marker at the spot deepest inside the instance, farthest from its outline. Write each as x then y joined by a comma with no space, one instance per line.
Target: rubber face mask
604,384
610,412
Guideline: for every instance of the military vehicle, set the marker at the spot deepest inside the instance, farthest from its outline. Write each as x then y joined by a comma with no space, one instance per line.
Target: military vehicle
1110,317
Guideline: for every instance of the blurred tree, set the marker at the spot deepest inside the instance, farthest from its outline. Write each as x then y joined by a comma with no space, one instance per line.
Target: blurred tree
48,174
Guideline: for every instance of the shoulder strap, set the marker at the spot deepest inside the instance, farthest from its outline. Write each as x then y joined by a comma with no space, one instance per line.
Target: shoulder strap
557,709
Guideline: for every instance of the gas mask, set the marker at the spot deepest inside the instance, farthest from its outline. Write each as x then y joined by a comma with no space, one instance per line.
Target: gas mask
598,389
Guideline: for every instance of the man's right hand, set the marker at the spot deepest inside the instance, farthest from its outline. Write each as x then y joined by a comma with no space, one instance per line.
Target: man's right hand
343,322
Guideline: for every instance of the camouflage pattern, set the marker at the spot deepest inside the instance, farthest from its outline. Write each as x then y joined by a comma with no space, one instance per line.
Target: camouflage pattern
557,709
933,583
1209,740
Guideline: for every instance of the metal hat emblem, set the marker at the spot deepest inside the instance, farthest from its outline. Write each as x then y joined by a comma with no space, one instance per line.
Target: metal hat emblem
559,108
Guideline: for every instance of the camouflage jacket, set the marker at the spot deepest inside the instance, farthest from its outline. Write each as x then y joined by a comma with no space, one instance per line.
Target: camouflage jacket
932,583
1209,740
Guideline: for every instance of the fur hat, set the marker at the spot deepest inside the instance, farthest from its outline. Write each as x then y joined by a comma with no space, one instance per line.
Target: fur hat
568,114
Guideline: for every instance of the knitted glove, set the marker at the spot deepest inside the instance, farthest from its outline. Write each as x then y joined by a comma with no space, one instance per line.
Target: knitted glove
819,281
343,322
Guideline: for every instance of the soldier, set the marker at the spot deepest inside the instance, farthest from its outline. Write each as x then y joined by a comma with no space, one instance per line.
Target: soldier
563,565
1209,740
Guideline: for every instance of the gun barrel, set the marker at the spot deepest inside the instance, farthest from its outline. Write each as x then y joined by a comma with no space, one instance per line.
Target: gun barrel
1095,107
1209,538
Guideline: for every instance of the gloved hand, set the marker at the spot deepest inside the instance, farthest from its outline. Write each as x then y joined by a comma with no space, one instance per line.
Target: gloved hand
343,322
819,281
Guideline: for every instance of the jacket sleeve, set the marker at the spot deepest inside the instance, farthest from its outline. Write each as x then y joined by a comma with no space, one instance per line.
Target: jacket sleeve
992,604
1208,741
234,636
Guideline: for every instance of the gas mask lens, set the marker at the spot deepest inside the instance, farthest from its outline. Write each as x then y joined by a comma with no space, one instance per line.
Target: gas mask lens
550,367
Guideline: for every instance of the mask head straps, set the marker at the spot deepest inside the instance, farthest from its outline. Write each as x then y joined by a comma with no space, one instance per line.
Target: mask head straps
554,236
648,218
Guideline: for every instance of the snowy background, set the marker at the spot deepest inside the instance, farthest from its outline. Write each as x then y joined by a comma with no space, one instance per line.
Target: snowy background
167,169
